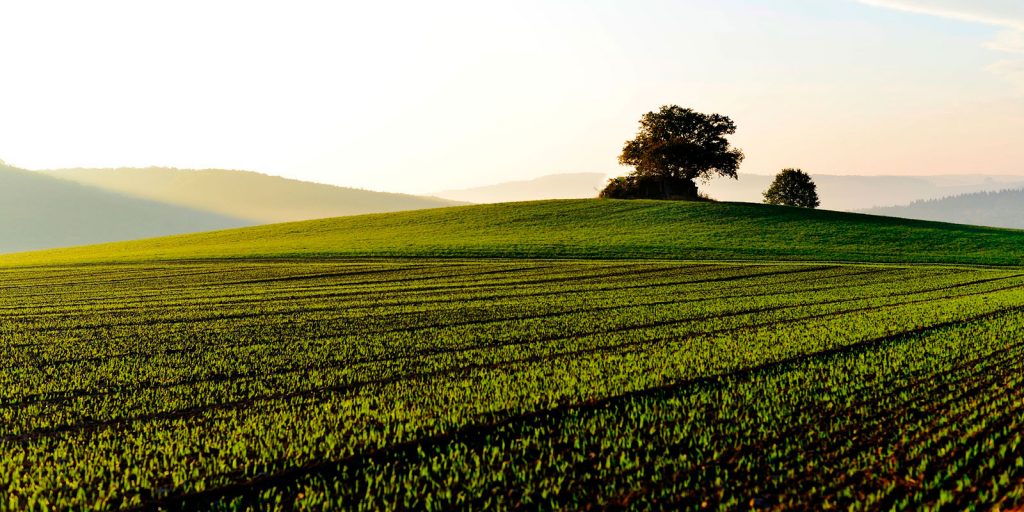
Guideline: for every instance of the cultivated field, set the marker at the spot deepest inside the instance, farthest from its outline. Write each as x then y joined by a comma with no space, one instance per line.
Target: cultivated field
446,383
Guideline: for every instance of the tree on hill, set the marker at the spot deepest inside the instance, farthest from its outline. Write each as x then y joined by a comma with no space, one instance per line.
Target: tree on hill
792,187
674,147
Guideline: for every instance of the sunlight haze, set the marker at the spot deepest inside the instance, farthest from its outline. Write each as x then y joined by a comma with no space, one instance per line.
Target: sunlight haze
419,97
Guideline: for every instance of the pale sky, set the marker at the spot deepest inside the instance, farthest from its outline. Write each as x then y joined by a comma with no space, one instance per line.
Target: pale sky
416,96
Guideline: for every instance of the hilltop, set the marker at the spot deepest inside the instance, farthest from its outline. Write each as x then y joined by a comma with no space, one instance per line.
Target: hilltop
586,228
255,197
1004,209
38,211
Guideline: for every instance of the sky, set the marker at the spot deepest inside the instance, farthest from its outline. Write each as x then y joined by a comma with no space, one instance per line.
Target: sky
417,97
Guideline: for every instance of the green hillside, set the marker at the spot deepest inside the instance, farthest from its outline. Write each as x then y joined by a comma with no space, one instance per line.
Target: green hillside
253,196
588,228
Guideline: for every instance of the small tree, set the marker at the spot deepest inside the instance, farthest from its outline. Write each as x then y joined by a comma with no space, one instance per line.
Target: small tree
674,147
792,187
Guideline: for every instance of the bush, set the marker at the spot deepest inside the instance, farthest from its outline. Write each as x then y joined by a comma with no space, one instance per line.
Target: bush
792,187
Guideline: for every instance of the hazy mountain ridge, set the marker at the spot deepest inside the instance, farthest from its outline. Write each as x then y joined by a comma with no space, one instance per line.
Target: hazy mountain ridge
580,185
859,193
837,191
1003,208
39,211
256,197
66,207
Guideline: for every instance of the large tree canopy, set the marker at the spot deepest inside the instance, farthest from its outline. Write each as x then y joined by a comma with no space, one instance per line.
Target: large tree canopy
675,146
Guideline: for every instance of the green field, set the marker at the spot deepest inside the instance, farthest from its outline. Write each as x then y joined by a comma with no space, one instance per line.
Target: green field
438,383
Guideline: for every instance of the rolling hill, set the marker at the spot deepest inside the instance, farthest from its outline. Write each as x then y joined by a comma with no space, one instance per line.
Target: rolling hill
38,211
586,228
1003,209
255,197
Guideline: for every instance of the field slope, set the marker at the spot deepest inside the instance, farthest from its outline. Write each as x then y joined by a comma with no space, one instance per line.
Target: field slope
587,228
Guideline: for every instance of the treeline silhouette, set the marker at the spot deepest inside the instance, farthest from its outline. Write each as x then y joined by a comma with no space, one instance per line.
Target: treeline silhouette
1003,208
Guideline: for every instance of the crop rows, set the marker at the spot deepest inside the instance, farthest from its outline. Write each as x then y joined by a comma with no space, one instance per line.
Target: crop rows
440,384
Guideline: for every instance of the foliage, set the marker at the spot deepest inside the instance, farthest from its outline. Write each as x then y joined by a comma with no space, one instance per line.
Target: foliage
674,147
792,187
479,384
587,228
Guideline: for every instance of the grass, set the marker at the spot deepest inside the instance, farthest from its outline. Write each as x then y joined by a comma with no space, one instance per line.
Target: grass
587,228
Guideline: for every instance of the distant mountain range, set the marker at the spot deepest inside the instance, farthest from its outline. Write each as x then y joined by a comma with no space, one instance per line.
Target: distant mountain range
837,192
553,186
44,209
1003,209
39,211
856,193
